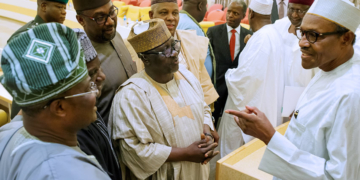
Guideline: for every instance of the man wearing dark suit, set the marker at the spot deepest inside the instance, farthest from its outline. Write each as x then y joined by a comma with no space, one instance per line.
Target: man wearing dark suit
279,10
227,41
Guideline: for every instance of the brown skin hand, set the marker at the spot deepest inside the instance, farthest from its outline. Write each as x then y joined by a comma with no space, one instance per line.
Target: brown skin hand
167,11
63,118
52,11
99,33
329,51
294,17
253,122
234,14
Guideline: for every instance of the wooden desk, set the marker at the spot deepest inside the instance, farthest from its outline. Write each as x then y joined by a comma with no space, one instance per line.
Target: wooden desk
243,163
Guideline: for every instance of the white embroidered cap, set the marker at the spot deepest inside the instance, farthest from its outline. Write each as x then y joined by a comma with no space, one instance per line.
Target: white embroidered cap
341,12
261,6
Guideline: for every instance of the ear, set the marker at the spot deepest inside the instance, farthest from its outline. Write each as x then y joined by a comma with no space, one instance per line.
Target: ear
347,38
80,20
43,7
199,6
251,14
58,108
145,60
151,14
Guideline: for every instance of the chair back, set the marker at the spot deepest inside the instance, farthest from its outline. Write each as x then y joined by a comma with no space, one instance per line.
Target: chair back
206,24
214,7
144,13
133,13
145,3
3,117
215,15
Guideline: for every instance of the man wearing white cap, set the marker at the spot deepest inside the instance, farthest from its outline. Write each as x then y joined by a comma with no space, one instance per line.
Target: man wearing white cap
295,74
321,140
258,79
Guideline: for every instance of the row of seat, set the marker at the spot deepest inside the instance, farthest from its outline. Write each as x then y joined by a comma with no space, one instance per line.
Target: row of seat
218,16
141,3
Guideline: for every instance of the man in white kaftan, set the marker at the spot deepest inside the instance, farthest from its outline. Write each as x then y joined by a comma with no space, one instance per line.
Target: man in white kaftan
294,73
321,140
257,81
149,119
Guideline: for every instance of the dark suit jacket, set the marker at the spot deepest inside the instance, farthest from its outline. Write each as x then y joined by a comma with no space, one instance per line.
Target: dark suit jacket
274,12
218,37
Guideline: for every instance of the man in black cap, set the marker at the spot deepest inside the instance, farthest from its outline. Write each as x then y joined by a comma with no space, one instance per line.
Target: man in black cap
99,19
47,11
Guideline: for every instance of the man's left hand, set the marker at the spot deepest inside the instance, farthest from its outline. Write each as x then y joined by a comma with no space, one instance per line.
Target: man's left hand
210,154
253,122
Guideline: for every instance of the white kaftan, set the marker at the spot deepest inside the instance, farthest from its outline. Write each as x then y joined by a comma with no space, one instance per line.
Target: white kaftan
148,119
257,81
322,142
295,74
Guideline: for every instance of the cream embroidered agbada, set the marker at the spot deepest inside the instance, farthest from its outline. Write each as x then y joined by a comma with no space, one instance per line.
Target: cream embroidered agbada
148,118
193,56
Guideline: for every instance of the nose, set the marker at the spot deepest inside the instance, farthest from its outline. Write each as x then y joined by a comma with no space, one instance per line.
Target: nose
303,42
63,11
174,53
170,17
101,77
294,14
231,14
109,21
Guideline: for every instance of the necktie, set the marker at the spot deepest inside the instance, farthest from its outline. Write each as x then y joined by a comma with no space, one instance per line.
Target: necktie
232,44
281,9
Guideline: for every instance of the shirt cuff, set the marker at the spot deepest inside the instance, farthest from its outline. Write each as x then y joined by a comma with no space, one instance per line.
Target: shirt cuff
281,146
209,122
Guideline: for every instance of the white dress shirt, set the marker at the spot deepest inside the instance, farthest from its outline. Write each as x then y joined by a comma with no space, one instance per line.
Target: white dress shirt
237,38
286,3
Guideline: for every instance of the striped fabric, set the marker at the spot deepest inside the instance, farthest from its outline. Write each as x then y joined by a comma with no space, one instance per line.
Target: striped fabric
42,63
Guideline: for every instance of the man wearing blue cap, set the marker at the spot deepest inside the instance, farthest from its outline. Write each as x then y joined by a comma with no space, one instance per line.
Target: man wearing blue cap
45,72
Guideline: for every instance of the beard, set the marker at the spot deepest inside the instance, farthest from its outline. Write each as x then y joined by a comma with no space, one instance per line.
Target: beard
108,37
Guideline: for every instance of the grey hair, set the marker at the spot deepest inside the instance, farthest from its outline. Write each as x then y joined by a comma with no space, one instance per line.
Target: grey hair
240,2
344,30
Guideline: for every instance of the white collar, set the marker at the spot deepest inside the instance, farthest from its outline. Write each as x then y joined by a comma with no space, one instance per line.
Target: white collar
230,28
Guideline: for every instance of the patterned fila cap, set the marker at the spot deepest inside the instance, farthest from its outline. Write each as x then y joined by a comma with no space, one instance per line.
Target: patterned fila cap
41,63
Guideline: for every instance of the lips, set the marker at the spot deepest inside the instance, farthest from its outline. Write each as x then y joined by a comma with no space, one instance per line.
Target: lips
109,31
170,26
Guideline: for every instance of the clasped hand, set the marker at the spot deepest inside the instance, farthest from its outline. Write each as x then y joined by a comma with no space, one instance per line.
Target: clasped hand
202,151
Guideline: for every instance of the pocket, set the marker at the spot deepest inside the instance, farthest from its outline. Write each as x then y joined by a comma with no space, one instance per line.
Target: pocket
299,135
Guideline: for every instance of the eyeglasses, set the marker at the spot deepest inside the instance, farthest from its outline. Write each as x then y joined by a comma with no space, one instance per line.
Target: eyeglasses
298,11
175,46
93,89
102,19
313,36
